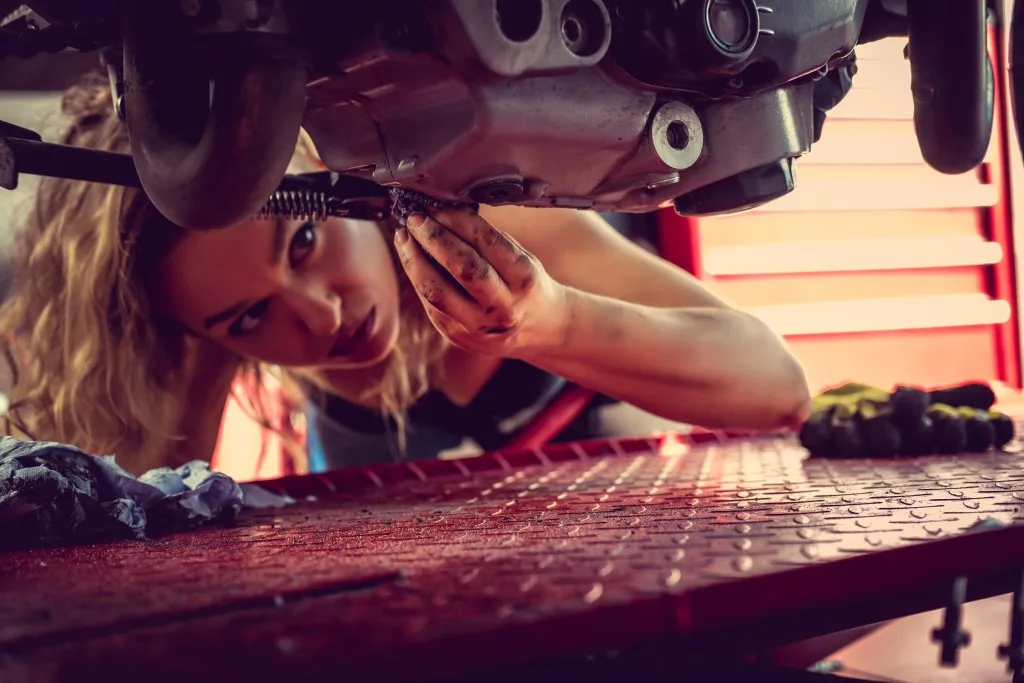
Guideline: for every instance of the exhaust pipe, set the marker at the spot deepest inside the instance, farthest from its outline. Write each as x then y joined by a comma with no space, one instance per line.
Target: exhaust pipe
212,131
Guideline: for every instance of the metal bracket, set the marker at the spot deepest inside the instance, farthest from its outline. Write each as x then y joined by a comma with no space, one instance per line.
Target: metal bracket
951,636
8,159
1013,651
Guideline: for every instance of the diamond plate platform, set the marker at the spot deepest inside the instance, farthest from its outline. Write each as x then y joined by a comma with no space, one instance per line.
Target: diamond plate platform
458,567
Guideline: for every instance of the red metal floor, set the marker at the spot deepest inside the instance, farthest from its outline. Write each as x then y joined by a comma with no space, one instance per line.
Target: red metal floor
419,571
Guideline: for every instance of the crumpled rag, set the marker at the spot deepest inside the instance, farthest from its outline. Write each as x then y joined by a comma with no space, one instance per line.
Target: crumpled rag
54,494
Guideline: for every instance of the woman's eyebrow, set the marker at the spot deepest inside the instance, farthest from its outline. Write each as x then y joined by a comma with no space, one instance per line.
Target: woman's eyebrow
277,247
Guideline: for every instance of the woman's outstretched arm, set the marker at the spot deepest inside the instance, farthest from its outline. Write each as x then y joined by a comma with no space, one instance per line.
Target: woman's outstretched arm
564,291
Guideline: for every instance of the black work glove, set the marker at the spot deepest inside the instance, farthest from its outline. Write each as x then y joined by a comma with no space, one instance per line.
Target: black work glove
857,420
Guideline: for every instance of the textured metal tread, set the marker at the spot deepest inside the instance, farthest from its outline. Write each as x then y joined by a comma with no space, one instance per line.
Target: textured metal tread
459,565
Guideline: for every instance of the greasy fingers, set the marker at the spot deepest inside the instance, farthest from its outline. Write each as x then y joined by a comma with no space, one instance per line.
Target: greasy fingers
482,290
514,265
434,290
467,265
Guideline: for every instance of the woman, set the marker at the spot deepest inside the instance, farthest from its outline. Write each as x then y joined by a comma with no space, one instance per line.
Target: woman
129,331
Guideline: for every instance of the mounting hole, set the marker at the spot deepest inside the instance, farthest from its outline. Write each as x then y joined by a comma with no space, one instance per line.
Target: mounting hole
571,30
678,135
519,20
583,27
498,191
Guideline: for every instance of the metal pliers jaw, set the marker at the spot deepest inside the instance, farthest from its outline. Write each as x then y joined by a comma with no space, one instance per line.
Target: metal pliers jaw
324,194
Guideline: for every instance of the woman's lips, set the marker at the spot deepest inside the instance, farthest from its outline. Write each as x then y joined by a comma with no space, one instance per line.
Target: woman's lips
350,341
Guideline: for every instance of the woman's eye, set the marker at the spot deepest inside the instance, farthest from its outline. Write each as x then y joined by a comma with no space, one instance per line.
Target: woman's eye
250,320
302,243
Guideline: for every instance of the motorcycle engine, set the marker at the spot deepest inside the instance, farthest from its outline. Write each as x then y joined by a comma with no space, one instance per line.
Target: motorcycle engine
613,105
617,105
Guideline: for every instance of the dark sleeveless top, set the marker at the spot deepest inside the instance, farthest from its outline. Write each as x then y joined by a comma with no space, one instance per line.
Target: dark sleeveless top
343,434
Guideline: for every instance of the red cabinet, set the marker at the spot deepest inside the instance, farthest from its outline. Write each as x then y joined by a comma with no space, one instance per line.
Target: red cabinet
877,268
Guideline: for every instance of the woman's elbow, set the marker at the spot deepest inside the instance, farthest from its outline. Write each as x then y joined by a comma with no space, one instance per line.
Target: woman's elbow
793,406
785,397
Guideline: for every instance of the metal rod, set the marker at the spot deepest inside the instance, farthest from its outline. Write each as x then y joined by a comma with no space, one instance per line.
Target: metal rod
73,163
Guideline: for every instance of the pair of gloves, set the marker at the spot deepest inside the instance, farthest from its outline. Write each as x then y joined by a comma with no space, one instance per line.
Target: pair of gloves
857,420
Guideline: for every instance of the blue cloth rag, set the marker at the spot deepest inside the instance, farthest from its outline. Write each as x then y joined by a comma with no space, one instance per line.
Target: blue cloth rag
52,493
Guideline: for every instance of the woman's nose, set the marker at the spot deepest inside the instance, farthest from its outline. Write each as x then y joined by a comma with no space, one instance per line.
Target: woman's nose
320,310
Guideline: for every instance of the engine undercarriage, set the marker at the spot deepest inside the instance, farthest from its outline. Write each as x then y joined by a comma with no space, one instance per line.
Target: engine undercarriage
615,105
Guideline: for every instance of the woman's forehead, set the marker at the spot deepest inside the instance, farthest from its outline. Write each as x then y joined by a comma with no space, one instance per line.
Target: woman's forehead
244,246
214,268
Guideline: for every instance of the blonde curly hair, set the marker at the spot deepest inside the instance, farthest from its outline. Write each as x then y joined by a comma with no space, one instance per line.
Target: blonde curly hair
93,365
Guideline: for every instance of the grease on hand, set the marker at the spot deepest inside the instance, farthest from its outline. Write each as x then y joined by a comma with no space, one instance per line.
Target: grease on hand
406,202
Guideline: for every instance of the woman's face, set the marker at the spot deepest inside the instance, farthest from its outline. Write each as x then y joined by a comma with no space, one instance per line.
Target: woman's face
287,293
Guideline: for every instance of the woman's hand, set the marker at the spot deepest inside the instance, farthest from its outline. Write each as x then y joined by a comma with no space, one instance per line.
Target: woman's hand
480,288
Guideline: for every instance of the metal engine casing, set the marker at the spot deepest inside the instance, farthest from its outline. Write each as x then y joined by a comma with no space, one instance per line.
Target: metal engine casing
614,105
441,98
